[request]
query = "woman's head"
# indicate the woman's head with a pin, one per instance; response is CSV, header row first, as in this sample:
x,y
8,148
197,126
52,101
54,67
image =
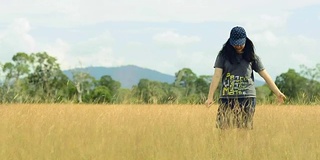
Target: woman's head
x,y
238,43
237,36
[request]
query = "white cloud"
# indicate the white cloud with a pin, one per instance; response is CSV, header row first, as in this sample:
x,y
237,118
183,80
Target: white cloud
x,y
20,26
104,57
184,10
60,50
135,44
304,50
197,61
170,38
75,12
300,58
193,60
95,51
16,38
279,53
267,38
267,22
98,50
93,45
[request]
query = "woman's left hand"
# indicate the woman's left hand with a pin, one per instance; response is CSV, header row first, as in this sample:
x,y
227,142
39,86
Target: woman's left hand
x,y
281,97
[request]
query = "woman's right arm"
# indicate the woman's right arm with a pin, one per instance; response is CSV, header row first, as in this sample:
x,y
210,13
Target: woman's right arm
x,y
213,86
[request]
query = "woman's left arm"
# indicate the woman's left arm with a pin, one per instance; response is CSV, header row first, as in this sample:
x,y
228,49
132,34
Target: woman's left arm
x,y
265,75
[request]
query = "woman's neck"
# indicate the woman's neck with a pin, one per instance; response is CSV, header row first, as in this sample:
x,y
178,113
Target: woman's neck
x,y
239,52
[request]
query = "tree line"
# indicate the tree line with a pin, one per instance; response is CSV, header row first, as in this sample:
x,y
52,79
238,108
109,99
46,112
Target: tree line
x,y
37,78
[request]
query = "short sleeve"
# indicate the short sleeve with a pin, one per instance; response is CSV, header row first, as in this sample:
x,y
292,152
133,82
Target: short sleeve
x,y
257,65
219,63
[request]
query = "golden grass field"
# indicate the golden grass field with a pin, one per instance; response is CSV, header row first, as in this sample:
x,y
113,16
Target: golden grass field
x,y
154,132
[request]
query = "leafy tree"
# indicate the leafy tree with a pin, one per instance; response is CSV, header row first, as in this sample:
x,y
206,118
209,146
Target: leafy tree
x,y
106,86
185,78
125,96
15,71
22,64
292,84
46,79
144,92
202,89
112,85
264,94
312,86
311,73
101,94
33,78
174,94
8,69
151,92
84,83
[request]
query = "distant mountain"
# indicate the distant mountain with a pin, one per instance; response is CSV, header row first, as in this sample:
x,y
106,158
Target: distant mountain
x,y
130,75
127,75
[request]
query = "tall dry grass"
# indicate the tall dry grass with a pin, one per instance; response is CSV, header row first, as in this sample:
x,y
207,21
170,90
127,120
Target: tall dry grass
x,y
154,132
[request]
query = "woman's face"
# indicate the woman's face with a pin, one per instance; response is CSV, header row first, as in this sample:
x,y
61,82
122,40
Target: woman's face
x,y
239,48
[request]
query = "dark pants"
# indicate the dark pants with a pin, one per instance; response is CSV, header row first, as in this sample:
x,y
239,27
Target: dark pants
x,y
236,113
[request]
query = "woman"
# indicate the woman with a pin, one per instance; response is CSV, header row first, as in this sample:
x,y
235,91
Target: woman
x,y
234,65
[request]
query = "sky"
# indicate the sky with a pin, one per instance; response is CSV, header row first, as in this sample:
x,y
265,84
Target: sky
x,y
162,35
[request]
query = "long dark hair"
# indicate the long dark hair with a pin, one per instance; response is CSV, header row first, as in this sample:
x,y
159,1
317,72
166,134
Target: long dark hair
x,y
229,53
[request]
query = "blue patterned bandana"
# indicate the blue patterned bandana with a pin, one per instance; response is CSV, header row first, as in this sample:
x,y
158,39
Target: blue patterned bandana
x,y
237,36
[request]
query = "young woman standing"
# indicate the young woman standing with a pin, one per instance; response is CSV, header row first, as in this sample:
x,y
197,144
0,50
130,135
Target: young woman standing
x,y
234,66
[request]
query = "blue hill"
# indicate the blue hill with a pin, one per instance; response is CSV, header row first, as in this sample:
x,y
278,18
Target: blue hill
x,y
127,75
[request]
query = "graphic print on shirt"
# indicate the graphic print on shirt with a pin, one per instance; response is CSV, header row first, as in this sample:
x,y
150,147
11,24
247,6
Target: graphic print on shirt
x,y
234,85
